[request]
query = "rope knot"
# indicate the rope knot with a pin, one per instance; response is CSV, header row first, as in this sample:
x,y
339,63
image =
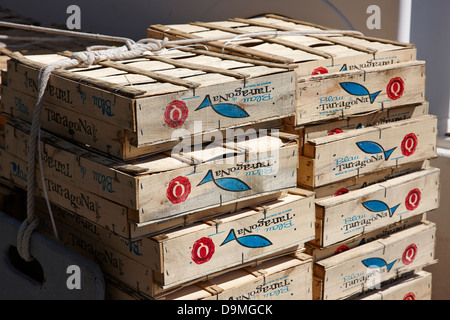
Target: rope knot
x,y
23,237
131,49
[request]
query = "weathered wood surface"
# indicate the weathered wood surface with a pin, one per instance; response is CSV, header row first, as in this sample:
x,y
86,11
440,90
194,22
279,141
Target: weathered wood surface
x,y
182,255
285,278
418,286
377,206
337,157
321,63
319,253
164,186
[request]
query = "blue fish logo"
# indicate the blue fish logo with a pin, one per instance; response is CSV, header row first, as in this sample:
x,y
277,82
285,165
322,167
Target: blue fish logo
x,y
378,263
379,206
224,109
374,148
358,90
249,241
228,184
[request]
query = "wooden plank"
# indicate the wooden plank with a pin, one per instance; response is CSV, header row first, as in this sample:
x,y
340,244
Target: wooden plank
x,y
259,99
415,287
337,157
364,210
269,167
90,132
363,120
325,97
165,112
269,39
233,239
219,45
364,267
206,68
286,278
137,232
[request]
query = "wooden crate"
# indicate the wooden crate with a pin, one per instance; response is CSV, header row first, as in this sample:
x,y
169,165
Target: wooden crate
x,y
99,135
337,157
195,251
132,273
368,179
228,241
364,210
283,278
207,176
356,121
415,287
153,101
364,267
327,66
319,253
130,232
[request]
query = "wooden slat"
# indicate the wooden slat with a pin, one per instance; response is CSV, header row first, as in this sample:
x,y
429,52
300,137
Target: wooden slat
x,y
408,45
275,16
220,45
287,43
194,66
236,58
111,87
323,38
151,74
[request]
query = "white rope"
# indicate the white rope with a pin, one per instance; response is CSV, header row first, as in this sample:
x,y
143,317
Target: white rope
x,y
92,56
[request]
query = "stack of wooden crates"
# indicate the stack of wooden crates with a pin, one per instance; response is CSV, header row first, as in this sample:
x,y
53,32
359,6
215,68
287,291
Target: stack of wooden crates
x,y
169,170
365,140
237,170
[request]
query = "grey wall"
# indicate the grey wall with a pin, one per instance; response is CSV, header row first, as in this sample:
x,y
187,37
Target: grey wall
x,y
130,18
430,32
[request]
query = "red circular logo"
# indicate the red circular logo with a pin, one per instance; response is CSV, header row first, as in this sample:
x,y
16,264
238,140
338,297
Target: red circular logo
x,y
409,144
412,200
320,70
178,189
335,131
395,88
410,254
409,296
341,191
176,113
202,250
341,249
